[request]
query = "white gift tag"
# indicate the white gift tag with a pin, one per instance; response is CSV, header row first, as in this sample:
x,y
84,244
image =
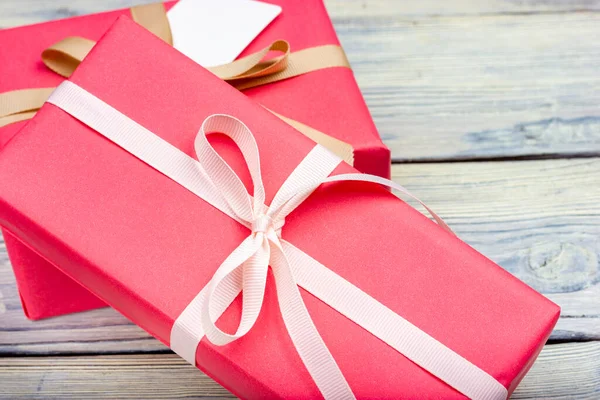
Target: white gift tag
x,y
214,32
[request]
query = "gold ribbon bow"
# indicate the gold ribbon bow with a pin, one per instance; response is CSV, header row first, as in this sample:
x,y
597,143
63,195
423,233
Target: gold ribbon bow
x,y
247,72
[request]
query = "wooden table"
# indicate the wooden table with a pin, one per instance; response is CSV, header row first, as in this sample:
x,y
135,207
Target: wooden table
x,y
492,112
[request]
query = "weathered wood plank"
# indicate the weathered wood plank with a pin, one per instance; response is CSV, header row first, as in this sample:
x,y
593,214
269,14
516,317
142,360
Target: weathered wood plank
x,y
562,371
22,12
480,87
568,371
436,8
101,377
538,219
455,80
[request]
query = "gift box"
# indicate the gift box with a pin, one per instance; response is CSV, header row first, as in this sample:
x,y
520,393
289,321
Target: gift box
x,y
316,99
150,246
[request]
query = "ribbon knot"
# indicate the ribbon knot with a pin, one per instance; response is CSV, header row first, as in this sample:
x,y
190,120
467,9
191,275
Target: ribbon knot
x,y
261,224
265,224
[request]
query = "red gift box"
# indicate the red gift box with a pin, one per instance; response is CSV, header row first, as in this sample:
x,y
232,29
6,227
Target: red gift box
x,y
316,99
147,246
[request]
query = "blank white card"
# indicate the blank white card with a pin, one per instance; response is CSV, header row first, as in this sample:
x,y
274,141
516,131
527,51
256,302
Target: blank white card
x,y
214,32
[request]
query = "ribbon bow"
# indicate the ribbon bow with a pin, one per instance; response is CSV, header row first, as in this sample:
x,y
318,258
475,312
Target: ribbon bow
x,y
263,247
245,269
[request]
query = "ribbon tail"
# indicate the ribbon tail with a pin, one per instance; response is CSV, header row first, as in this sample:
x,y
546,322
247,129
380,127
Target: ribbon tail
x,y
308,343
12,119
187,332
391,184
252,254
153,17
190,327
343,150
20,105
397,332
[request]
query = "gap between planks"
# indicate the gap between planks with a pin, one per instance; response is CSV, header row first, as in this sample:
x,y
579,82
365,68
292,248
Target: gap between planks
x,y
13,12
562,371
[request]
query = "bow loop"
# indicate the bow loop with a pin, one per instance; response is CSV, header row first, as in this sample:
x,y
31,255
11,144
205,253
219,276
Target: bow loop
x,y
246,269
230,185
303,180
254,65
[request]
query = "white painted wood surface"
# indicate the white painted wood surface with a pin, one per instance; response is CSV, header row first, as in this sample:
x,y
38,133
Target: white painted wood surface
x,y
461,79
445,81
166,376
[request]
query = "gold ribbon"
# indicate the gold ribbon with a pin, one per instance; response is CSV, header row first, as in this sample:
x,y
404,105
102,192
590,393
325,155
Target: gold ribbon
x,y
154,18
19,105
247,72
66,55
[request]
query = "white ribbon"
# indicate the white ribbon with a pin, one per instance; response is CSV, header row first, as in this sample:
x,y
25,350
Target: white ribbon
x,y
245,269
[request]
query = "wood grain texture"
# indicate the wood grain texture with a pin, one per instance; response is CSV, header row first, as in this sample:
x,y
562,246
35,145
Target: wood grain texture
x,y
562,371
445,81
538,219
454,80
498,86
23,12
436,8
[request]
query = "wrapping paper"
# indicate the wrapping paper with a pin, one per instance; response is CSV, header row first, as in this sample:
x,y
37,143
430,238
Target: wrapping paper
x,y
318,99
147,246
